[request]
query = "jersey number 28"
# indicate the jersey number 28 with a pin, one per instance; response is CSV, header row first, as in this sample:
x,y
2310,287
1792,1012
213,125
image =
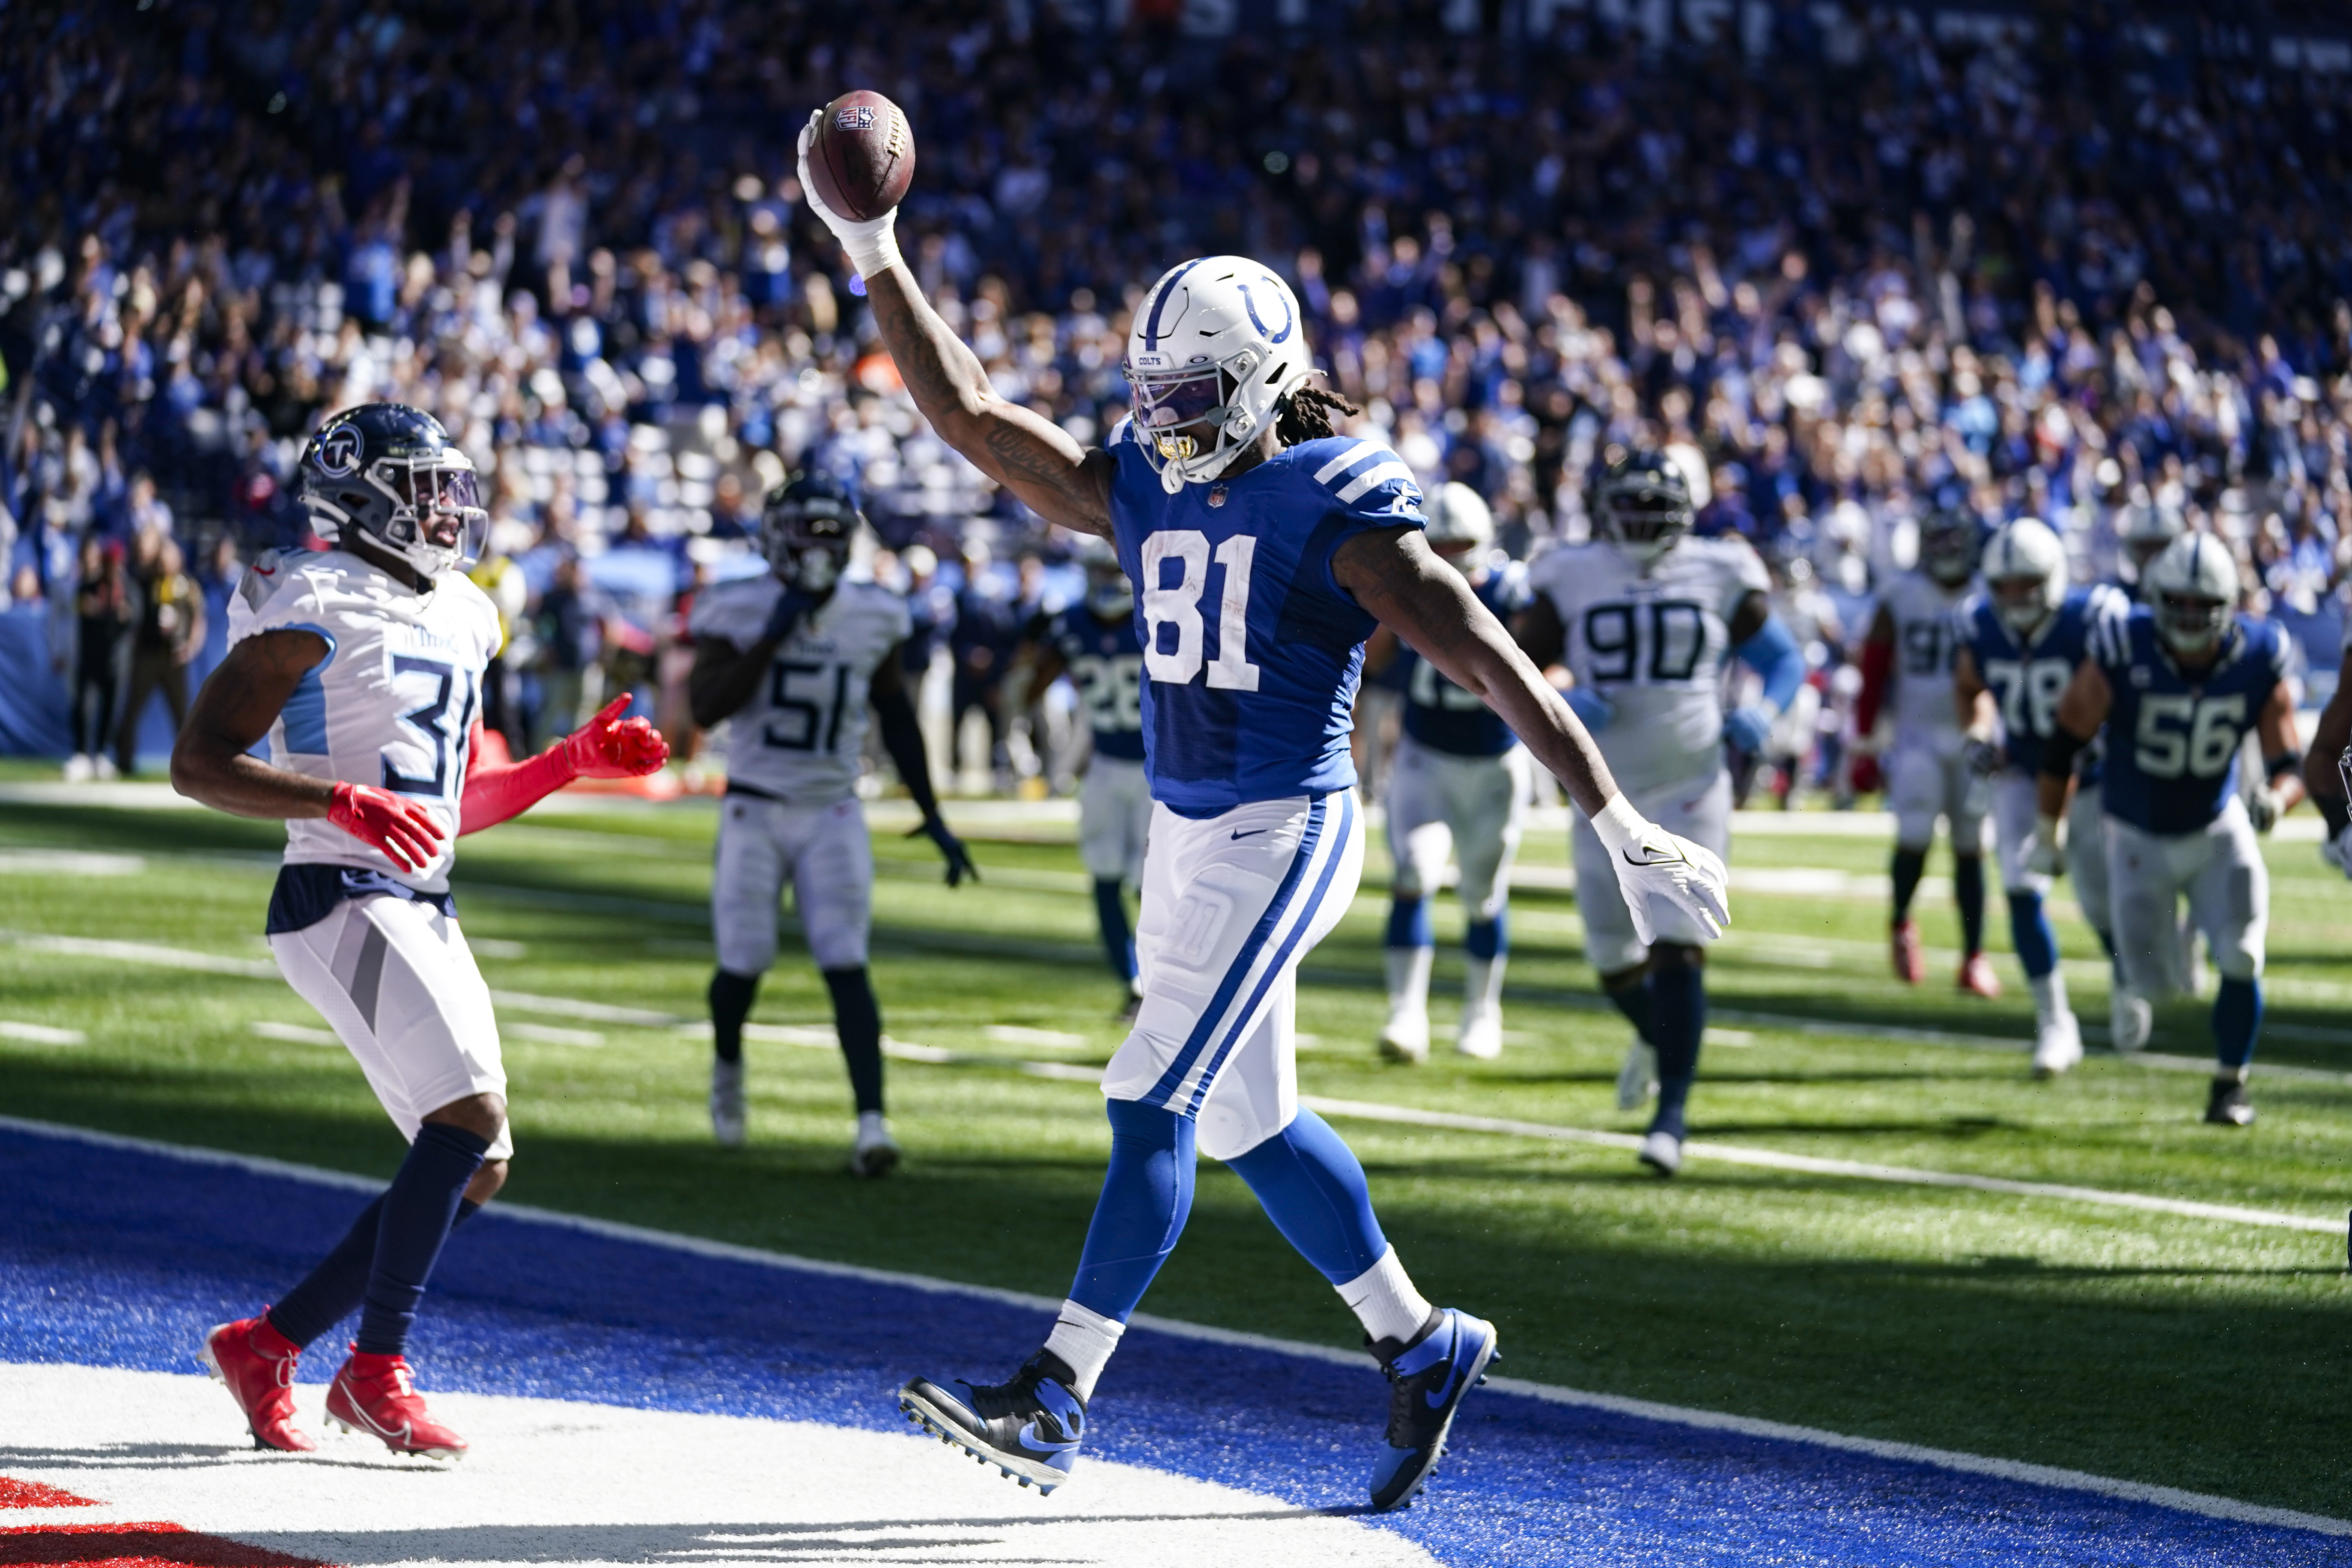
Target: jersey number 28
x,y
1173,610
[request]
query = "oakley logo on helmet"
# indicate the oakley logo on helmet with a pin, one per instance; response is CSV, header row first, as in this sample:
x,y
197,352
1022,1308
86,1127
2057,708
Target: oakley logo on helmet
x,y
339,452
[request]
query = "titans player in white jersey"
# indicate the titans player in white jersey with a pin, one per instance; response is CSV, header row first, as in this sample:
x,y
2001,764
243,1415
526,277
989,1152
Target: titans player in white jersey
x,y
1095,644
1265,550
1913,642
2024,639
2179,686
1460,786
793,656
363,666
1645,618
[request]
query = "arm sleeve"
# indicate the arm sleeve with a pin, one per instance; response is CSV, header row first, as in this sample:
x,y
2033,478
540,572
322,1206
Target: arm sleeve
x,y
902,738
1878,664
495,794
1773,654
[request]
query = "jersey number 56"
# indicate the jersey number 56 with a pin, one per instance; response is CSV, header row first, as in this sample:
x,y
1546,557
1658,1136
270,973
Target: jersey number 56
x,y
1171,611
2186,734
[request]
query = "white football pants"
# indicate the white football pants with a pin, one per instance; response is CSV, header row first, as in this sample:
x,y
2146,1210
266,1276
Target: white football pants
x,y
1114,819
1441,805
2220,870
826,854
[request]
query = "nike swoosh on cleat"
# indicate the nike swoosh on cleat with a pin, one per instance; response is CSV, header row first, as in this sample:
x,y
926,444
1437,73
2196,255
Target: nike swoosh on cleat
x,y
1251,832
1029,1439
1436,1397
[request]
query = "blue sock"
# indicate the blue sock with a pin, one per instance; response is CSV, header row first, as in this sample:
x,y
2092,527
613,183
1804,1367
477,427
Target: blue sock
x,y
1910,865
1312,1186
1969,892
1488,939
2030,933
1678,1016
418,1209
1147,1194
334,1289
1409,923
2237,1019
1633,1000
1110,914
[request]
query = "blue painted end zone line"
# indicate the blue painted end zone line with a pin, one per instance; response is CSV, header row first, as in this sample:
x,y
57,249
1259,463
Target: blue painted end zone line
x,y
120,1253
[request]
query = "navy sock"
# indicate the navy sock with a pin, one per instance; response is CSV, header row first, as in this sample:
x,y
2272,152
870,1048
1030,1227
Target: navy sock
x,y
1147,1196
1634,999
1488,939
858,1019
731,995
1312,1186
2237,1019
1969,892
333,1291
2030,932
419,1207
1910,865
1409,923
1678,1013
1110,914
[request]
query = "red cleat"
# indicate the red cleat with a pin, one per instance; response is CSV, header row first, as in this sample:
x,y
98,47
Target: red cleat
x,y
256,1364
373,1394
1977,977
1910,959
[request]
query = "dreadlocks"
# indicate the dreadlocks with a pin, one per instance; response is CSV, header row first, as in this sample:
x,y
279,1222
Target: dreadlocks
x,y
1307,416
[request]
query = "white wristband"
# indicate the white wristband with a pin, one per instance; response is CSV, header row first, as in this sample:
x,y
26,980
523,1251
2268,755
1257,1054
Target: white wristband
x,y
877,252
1617,823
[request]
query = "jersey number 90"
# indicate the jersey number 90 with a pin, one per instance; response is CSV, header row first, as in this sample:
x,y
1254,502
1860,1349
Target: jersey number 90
x,y
1171,611
1657,643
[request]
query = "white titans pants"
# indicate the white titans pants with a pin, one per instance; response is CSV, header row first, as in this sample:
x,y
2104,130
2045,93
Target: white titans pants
x,y
1231,905
2086,856
1927,776
1699,810
1470,806
394,979
2016,813
826,855
2219,868
1114,819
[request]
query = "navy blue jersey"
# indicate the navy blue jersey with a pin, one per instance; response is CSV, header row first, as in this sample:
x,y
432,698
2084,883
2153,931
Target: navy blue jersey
x,y
1105,660
2028,681
2173,738
1251,650
1440,714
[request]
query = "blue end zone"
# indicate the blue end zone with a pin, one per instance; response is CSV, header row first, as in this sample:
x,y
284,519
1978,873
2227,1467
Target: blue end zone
x,y
122,1257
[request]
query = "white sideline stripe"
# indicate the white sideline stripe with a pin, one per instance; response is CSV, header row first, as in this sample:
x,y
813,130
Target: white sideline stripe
x,y
70,863
1377,474
40,1034
908,1050
2047,1476
549,1035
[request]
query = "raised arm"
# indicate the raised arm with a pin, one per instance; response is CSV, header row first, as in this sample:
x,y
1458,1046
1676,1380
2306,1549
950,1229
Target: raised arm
x,y
1030,456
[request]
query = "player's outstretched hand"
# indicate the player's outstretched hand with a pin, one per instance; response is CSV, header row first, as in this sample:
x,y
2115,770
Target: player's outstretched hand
x,y
1746,729
959,858
871,245
1982,757
1659,872
610,747
2262,809
2045,852
399,828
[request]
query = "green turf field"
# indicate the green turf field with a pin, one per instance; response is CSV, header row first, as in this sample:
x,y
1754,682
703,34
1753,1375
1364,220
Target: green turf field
x,y
2188,1352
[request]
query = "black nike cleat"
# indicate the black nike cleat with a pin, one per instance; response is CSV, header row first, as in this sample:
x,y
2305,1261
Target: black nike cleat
x,y
1426,1382
2228,1106
1029,1428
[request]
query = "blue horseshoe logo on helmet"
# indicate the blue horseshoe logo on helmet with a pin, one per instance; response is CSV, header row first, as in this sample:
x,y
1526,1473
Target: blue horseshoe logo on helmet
x,y
1250,304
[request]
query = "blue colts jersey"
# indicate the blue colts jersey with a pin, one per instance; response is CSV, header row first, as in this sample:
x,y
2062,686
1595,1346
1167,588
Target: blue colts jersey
x,y
1105,660
1251,650
2173,738
1440,714
2028,681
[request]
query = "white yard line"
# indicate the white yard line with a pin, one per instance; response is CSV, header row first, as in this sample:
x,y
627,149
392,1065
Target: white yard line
x,y
1682,1415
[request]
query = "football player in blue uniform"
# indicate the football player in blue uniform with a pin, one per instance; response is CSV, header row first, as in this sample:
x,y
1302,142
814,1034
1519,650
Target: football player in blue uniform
x,y
1461,787
2178,685
1265,549
1095,643
2021,645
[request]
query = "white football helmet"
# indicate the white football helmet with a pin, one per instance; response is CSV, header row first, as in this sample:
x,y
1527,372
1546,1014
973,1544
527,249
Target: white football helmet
x,y
1109,596
2024,569
2146,529
2193,588
1216,345
1461,528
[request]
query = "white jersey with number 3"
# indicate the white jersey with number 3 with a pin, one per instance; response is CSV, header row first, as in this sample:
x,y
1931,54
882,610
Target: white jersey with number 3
x,y
802,737
1653,644
391,705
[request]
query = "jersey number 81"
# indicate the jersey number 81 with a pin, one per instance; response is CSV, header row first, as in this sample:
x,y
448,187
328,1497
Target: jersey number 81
x,y
1176,608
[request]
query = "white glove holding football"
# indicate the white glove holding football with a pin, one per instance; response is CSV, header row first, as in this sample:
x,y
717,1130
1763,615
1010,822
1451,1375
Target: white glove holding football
x,y
2045,852
872,245
1660,873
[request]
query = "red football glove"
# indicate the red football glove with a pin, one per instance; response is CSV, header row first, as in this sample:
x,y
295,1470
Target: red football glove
x,y
401,829
610,747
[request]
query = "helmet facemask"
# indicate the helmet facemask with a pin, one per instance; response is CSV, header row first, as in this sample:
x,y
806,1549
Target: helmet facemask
x,y
1643,519
2022,603
2191,623
807,542
1109,596
437,521
1188,419
1948,553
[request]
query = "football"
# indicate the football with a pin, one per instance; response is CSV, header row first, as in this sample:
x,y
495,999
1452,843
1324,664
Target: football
x,y
863,156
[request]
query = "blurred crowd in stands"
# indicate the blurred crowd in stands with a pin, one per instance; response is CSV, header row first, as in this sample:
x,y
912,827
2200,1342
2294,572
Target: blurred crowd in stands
x,y
1849,262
